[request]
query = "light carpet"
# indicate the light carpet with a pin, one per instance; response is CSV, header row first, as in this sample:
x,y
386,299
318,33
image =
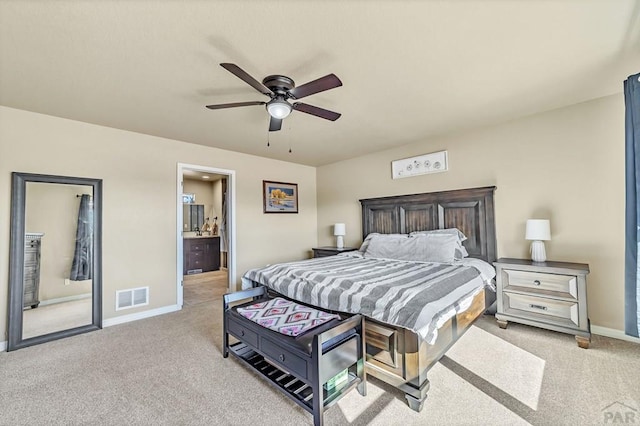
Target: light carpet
x,y
169,370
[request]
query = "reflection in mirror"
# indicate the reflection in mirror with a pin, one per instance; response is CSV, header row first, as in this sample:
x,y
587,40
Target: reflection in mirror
x,y
55,275
193,215
58,265
198,218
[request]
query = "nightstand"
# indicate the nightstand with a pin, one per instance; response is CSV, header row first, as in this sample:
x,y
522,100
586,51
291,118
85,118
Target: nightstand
x,y
551,295
330,251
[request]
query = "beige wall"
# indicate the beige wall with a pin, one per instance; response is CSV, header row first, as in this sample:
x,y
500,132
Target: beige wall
x,y
139,186
566,165
52,209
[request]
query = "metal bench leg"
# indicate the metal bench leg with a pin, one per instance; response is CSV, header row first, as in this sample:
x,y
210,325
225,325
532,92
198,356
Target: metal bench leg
x,y
318,404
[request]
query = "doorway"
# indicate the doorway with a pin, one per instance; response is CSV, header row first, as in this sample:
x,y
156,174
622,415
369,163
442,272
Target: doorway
x,y
205,233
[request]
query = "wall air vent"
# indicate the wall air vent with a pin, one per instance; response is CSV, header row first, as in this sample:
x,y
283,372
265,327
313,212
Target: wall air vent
x,y
132,298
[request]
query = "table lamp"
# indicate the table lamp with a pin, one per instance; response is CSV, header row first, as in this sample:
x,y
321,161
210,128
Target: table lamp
x,y
538,231
339,230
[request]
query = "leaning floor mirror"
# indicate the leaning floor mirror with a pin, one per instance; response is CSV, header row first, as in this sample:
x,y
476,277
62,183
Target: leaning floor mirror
x,y
55,276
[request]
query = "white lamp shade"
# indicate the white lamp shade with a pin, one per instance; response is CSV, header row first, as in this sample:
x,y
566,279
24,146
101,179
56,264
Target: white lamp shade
x,y
538,230
339,229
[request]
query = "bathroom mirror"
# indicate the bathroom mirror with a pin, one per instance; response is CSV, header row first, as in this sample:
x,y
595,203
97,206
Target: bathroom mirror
x,y
55,276
193,215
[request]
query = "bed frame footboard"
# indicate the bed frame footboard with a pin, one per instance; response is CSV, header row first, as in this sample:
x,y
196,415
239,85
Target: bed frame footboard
x,y
402,359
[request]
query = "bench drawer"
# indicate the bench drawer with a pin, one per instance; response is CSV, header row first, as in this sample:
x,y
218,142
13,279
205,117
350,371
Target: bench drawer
x,y
242,333
289,361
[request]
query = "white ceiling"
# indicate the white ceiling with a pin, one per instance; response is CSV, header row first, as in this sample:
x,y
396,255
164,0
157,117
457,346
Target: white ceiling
x,y
189,174
411,69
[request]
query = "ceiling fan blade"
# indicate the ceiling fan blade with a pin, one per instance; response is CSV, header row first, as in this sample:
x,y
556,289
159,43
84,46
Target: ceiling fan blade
x,y
318,112
275,124
242,75
235,104
320,85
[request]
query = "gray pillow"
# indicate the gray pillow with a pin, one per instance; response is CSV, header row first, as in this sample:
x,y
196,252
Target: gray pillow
x,y
452,231
422,248
367,240
461,251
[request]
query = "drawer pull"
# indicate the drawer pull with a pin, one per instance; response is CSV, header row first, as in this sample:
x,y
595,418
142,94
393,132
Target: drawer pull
x,y
242,333
536,282
544,308
281,357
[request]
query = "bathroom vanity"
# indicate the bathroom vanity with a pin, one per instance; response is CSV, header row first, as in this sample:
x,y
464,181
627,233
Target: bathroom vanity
x,y
201,254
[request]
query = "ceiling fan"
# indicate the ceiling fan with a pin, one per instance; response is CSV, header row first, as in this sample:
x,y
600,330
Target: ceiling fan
x,y
280,89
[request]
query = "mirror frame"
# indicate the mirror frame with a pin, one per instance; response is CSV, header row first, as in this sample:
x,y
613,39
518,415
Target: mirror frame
x,y
16,255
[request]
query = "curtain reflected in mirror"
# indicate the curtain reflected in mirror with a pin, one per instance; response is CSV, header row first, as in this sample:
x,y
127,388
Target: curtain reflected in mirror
x,y
58,257
55,276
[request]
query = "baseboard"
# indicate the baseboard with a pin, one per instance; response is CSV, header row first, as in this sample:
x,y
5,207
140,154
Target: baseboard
x,y
3,346
65,299
140,315
614,334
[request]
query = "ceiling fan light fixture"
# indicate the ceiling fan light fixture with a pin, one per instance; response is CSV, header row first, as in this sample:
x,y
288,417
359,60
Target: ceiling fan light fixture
x,y
279,108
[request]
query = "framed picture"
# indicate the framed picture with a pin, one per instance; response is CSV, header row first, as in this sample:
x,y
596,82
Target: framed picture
x,y
279,197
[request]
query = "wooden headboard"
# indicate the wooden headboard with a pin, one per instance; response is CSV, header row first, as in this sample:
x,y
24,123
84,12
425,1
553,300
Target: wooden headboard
x,y
469,210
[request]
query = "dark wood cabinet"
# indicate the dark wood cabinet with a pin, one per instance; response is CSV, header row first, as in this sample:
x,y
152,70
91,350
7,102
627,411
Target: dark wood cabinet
x,y
201,254
31,288
330,251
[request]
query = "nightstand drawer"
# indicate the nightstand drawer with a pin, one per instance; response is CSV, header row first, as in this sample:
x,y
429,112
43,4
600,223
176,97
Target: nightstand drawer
x,y
517,304
566,284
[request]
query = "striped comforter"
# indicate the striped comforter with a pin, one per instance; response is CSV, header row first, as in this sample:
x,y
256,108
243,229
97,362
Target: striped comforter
x,y
413,295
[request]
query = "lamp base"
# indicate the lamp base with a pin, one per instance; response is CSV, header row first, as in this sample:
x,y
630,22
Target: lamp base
x,y
339,241
538,253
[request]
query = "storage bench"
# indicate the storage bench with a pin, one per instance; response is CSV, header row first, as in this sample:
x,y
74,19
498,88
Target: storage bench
x,y
298,366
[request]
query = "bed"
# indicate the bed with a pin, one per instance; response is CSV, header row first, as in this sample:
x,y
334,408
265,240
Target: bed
x,y
399,352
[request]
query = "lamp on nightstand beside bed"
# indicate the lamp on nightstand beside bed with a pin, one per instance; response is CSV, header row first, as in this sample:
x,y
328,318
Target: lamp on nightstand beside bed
x,y
339,230
538,231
